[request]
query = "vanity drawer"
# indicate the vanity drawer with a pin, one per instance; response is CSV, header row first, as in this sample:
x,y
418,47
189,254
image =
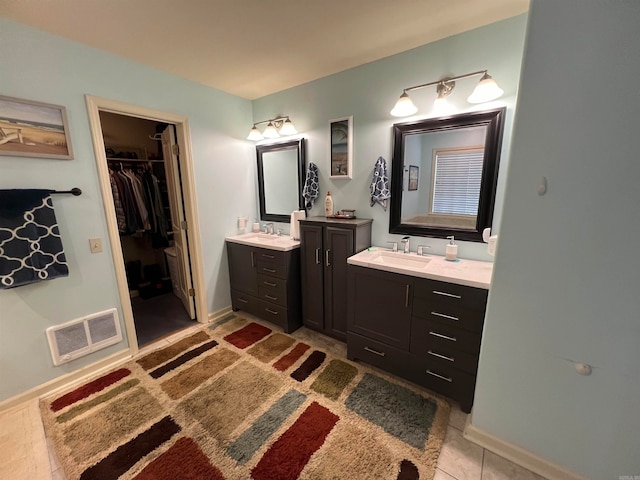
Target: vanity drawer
x,y
444,379
276,314
274,269
435,309
445,295
444,356
247,303
378,354
272,289
430,333
273,256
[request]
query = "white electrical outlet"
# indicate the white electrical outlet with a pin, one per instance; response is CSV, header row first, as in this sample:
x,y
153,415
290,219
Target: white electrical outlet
x,y
95,244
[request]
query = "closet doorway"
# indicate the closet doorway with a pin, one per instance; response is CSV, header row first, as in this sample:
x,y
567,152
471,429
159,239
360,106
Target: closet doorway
x,y
147,185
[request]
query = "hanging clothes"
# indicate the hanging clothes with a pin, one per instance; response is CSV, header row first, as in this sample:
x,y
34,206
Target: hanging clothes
x,y
139,206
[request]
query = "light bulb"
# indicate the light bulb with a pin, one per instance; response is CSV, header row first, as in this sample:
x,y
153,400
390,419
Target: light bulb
x,y
404,106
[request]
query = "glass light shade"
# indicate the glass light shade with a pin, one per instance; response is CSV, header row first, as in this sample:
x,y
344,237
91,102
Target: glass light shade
x,y
270,131
441,106
404,106
288,128
255,134
486,90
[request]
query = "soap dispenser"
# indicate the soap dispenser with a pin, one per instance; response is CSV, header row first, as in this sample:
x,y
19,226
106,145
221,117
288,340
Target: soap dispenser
x,y
452,250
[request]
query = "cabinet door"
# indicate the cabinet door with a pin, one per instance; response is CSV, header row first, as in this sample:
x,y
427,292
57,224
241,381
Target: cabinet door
x,y
311,272
338,247
242,268
381,306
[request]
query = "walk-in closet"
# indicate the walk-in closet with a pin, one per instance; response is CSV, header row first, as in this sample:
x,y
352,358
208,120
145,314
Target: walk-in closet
x,y
140,183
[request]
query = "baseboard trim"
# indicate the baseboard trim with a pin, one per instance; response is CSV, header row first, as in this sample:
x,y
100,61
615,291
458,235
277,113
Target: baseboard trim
x,y
69,380
517,455
213,316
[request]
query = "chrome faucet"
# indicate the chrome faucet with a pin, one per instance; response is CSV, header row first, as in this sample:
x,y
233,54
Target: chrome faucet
x,y
405,240
421,249
394,246
270,228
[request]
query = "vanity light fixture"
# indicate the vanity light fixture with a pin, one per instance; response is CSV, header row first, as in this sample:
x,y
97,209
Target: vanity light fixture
x,y
486,90
275,128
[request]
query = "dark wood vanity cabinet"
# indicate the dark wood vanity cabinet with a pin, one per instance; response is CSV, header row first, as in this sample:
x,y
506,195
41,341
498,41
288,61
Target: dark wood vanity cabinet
x,y
266,283
424,330
325,245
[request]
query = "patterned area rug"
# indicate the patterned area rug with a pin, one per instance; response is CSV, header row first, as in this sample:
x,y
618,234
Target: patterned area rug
x,y
237,400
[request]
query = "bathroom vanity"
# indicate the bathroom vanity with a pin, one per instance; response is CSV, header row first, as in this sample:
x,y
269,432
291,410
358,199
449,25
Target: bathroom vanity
x,y
264,271
420,318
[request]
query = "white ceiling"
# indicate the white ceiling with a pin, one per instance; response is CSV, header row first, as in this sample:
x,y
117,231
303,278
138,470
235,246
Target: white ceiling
x,y
252,48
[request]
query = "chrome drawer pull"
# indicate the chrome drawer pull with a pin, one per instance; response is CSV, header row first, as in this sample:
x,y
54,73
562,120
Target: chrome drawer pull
x,y
271,311
446,294
448,317
451,339
326,258
243,300
406,297
270,297
439,355
270,270
381,354
317,256
441,377
267,256
253,260
270,284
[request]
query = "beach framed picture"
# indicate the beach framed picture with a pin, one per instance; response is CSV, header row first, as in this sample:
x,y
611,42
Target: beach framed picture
x,y
34,129
341,147
413,177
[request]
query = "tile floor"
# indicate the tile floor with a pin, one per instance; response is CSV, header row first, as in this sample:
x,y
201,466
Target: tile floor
x,y
29,456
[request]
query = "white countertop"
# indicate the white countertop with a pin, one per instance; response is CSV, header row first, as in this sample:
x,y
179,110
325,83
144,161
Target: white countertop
x,y
272,242
473,273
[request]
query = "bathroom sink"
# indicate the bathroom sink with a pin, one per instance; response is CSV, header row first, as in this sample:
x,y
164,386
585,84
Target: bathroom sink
x,y
264,240
398,259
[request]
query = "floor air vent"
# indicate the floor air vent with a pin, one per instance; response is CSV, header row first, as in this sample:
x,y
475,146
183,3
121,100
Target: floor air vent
x,y
84,335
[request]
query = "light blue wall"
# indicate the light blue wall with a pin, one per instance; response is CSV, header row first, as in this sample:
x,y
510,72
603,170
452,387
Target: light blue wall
x,y
370,91
43,67
566,278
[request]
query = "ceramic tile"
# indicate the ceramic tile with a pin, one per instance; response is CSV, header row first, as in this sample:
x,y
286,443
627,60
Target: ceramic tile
x,y
23,443
457,418
441,475
58,475
495,467
459,457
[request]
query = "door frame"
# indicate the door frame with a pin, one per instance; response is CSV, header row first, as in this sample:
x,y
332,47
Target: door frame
x,y
185,161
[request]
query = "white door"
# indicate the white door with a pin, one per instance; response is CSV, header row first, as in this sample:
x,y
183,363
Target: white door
x,y
178,223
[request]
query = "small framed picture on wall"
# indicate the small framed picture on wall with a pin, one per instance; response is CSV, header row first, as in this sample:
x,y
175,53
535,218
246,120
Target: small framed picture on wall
x,y
413,177
341,147
33,129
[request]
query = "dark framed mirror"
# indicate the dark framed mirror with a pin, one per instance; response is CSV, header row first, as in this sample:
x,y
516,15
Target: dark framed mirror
x,y
280,179
444,175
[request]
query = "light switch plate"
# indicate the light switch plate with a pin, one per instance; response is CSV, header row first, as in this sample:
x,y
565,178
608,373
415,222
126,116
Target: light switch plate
x,y
95,244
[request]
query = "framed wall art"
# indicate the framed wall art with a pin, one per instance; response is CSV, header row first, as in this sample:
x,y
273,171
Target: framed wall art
x,y
341,147
413,177
34,129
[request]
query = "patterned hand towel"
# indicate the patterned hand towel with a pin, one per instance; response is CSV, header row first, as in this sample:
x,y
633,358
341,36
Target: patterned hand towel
x,y
30,244
311,186
380,184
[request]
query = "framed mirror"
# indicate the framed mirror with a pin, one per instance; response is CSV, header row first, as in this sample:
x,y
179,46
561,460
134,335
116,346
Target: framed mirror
x,y
444,174
280,179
